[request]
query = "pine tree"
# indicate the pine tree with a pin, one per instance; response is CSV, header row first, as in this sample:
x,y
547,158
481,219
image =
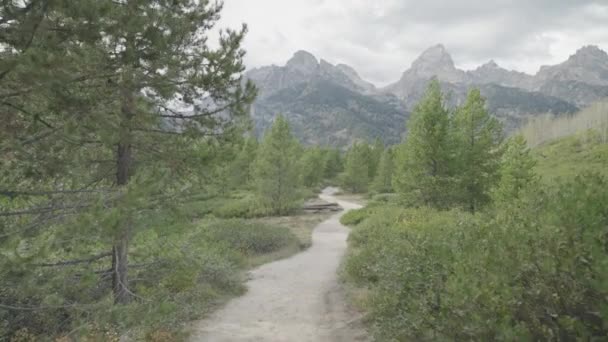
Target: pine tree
x,y
334,163
356,169
423,163
275,170
312,167
516,171
375,155
241,168
477,137
384,177
121,103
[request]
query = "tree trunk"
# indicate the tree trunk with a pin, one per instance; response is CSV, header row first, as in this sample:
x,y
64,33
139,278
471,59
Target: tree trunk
x,y
124,166
120,250
124,161
120,282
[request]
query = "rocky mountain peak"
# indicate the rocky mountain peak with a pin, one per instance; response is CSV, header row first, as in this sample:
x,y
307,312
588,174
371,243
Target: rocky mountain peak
x,y
303,61
490,65
435,57
589,55
591,50
588,65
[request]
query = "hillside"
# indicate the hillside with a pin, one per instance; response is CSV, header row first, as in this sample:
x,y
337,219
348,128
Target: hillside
x,y
571,156
325,113
570,145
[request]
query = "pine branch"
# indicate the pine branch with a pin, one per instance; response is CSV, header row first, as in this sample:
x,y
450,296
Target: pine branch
x,y
76,262
35,116
177,115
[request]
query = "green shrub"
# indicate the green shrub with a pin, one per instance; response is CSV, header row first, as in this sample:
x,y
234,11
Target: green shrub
x,y
532,270
236,208
354,217
250,237
385,198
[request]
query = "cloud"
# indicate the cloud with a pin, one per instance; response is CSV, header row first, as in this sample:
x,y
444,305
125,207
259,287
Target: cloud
x,y
381,38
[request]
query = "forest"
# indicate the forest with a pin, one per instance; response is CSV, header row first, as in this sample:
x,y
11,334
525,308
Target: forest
x,y
135,196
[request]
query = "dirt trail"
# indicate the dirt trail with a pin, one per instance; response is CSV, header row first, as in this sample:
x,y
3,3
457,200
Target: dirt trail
x,y
295,299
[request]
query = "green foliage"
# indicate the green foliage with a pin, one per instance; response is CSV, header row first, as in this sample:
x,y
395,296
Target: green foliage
x,y
376,151
249,238
244,207
312,167
423,163
275,169
534,271
241,168
112,123
448,161
354,217
356,169
477,137
334,163
516,172
383,182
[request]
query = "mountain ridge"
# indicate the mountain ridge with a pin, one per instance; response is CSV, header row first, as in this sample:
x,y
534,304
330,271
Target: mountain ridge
x,y
513,96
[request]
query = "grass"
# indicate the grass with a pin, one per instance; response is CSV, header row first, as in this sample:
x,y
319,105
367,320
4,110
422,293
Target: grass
x,y
570,156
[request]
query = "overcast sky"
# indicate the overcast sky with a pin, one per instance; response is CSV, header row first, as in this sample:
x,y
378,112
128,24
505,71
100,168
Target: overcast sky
x,y
381,38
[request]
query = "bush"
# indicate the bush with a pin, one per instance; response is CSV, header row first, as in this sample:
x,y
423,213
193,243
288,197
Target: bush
x,y
236,208
354,217
250,238
531,270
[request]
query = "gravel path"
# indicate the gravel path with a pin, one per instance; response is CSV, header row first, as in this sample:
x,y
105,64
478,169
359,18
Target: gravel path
x,y
295,299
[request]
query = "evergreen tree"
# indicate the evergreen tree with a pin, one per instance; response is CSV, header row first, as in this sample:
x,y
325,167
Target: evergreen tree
x,y
333,163
356,169
384,177
241,169
516,171
375,155
312,167
423,161
275,171
120,103
477,137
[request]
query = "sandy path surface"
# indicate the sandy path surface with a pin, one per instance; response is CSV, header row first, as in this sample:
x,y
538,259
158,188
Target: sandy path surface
x,y
295,299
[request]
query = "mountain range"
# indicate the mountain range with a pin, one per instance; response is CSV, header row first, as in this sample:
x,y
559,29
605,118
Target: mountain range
x,y
331,104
